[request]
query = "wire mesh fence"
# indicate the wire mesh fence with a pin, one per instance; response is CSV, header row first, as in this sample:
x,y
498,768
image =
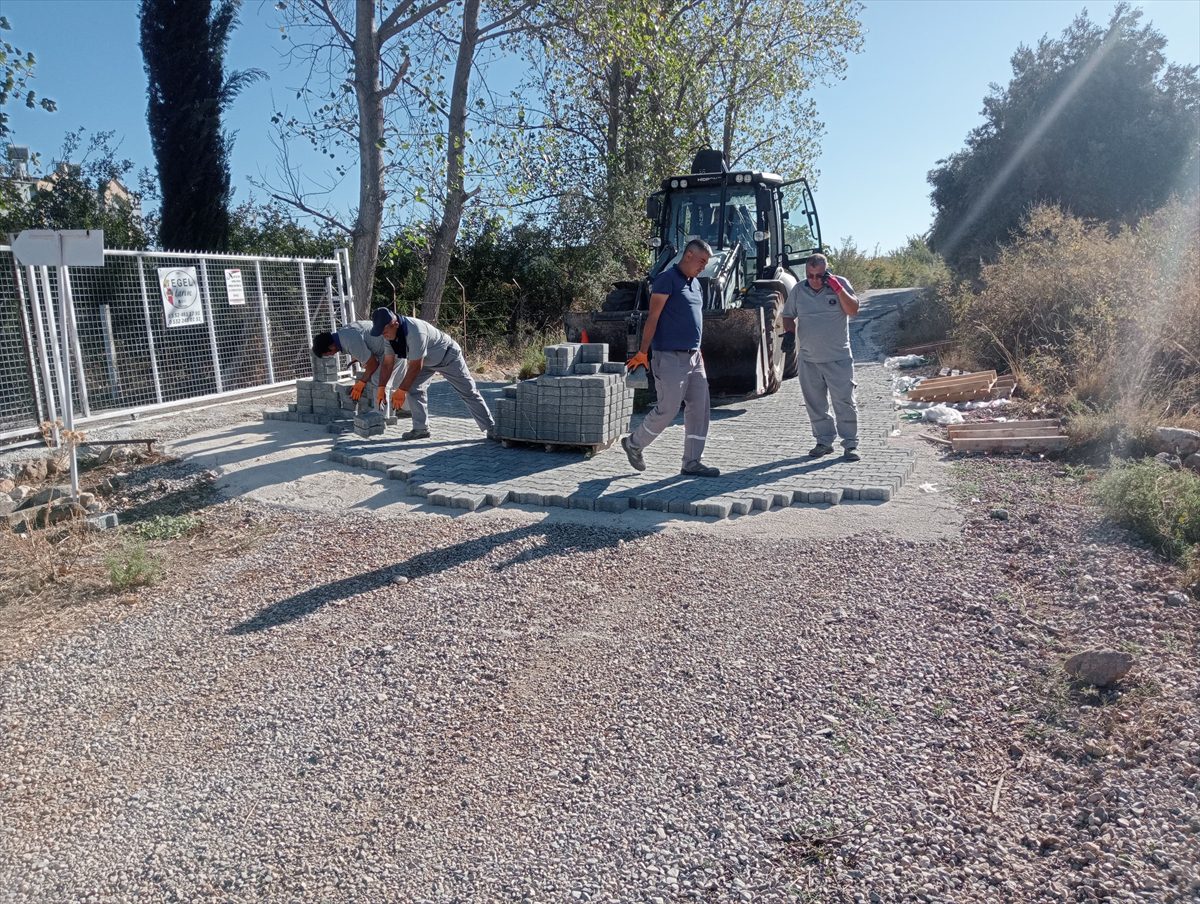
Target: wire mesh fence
x,y
154,328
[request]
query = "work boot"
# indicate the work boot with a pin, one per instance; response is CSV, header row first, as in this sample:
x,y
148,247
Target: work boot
x,y
697,469
634,455
820,449
416,433
852,455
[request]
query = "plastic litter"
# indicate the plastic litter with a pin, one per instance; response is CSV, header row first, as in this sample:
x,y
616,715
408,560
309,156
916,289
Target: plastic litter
x,y
942,415
904,361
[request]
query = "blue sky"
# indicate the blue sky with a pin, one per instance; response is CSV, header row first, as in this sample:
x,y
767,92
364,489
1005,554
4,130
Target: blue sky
x,y
907,101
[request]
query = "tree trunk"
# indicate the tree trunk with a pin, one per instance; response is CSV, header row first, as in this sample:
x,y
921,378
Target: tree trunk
x,y
456,195
365,235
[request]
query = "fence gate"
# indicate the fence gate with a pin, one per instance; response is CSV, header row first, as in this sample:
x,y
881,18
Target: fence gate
x,y
151,329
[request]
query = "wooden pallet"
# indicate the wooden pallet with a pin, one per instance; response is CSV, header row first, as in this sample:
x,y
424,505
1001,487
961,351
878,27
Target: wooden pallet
x,y
962,388
1008,436
589,449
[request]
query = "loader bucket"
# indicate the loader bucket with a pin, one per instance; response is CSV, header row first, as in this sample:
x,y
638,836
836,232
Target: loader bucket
x,y
735,357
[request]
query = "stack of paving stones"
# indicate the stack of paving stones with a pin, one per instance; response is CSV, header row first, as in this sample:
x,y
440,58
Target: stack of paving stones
x,y
322,400
581,400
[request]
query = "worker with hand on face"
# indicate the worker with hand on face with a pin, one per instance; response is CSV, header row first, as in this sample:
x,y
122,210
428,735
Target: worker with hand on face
x,y
673,330
429,352
355,340
818,311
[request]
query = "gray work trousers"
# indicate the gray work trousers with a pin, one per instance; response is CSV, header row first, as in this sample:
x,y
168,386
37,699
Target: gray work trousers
x,y
678,377
820,382
454,368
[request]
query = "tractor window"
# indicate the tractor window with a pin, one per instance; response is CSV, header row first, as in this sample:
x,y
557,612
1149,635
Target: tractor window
x,y
801,230
693,215
740,226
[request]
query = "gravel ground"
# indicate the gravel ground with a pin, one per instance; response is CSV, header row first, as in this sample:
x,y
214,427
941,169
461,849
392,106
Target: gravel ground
x,y
490,710
322,706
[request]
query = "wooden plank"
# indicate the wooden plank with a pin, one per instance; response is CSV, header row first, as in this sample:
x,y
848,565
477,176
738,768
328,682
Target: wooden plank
x,y
974,395
1006,431
995,425
1010,443
936,439
925,347
986,376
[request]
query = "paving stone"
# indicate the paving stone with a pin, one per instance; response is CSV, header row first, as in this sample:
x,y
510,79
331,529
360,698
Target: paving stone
x,y
758,444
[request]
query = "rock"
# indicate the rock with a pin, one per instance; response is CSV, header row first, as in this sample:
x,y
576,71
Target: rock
x,y
7,505
7,486
27,519
1176,598
1169,460
1176,439
46,494
57,464
1000,514
20,494
399,579
1192,462
34,470
1101,668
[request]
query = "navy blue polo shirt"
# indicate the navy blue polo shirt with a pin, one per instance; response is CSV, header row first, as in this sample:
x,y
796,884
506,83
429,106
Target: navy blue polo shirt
x,y
682,319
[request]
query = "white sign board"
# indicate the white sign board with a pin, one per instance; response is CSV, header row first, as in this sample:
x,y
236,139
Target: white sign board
x,y
233,287
180,296
60,248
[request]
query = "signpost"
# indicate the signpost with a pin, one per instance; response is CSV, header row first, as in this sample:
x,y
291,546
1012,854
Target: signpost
x,y
62,248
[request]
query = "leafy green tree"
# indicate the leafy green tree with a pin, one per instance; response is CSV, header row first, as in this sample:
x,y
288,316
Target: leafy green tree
x,y
183,48
271,230
629,89
1095,121
84,190
16,69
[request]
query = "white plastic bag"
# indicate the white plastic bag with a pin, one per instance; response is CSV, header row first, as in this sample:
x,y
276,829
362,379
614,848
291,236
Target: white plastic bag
x,y
904,361
942,415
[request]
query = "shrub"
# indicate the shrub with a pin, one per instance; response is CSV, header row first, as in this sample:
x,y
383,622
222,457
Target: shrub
x,y
1160,504
132,566
167,527
1096,318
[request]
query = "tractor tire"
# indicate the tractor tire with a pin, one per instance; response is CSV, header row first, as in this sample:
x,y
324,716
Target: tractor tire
x,y
621,298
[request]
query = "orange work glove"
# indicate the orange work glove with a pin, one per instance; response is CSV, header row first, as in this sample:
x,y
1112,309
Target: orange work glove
x,y
638,360
380,395
357,391
398,398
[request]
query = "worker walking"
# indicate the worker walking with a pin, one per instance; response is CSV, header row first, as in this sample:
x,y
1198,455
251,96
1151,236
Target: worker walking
x,y
429,352
818,311
673,329
355,340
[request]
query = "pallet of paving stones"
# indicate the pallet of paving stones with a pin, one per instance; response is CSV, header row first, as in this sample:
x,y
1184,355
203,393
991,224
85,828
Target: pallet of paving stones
x,y
1008,436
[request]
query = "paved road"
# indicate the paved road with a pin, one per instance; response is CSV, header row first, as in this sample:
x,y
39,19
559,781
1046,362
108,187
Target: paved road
x,y
759,445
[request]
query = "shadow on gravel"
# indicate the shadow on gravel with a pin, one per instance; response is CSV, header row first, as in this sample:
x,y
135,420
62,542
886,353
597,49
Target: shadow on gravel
x,y
560,540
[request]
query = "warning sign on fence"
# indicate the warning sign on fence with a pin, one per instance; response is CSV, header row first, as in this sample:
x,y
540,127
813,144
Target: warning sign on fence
x,y
234,288
181,296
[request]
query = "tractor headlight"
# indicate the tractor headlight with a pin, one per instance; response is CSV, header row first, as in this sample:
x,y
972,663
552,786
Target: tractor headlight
x,y
760,236
655,242
674,183
683,183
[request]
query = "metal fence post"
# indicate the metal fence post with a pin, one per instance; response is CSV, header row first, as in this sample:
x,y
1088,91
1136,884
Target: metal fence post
x,y
52,335
266,323
65,294
110,354
31,350
212,325
347,314
158,395
304,298
333,319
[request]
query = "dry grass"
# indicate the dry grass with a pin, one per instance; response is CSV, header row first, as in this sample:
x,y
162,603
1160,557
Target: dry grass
x,y
1095,320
